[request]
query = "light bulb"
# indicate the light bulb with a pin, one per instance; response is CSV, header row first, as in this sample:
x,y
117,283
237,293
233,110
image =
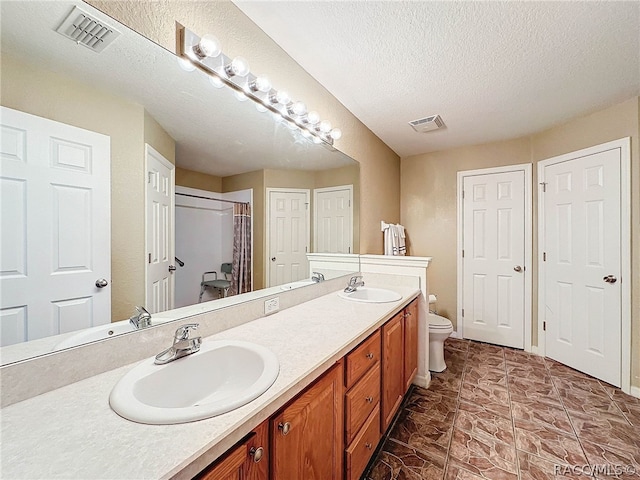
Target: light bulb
x,y
186,65
325,127
261,108
260,84
313,118
216,82
297,108
280,97
238,66
316,140
241,96
336,133
208,46
306,133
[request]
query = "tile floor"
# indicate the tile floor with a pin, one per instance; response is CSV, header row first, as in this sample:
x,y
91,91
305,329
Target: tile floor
x,y
500,413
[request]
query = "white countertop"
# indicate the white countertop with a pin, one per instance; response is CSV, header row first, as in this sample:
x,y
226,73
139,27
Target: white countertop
x,y
73,433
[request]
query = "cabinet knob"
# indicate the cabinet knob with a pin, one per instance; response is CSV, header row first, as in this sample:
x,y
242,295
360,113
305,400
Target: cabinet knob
x,y
368,445
370,356
369,399
408,314
256,453
284,427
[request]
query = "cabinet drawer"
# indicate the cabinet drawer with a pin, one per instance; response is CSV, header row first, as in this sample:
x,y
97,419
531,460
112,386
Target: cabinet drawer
x,y
360,451
361,400
362,358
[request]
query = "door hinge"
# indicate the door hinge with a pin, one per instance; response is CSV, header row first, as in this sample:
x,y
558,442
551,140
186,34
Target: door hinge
x,y
544,326
349,249
463,312
306,249
462,193
462,253
149,258
544,186
306,206
544,256
349,203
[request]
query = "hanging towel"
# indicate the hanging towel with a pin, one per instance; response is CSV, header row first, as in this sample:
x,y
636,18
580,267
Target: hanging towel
x,y
400,240
388,240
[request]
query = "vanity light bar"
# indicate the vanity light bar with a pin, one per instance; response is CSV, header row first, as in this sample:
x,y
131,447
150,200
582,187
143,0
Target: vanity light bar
x,y
205,53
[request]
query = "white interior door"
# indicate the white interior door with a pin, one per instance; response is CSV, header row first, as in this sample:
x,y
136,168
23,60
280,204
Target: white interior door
x,y
333,219
582,264
288,236
55,228
493,288
160,232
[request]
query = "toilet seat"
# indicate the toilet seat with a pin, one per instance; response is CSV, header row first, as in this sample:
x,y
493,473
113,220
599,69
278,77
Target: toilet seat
x,y
436,322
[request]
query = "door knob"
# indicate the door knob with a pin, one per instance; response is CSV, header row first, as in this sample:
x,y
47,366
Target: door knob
x,y
101,283
517,268
610,279
172,268
273,259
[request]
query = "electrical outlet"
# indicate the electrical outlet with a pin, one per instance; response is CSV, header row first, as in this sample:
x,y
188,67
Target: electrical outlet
x,y
271,306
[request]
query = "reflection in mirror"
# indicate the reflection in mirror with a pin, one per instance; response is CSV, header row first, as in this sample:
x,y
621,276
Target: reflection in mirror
x,y
95,147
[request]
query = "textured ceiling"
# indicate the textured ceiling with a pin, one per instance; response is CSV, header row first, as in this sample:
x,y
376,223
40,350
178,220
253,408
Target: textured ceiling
x,y
492,70
214,132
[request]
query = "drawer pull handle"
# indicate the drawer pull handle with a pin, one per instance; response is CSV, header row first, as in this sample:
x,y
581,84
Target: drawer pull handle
x,y
370,356
368,445
284,428
369,399
256,453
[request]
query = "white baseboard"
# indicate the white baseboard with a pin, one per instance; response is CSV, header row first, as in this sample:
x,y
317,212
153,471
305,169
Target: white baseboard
x,y
454,334
634,391
534,349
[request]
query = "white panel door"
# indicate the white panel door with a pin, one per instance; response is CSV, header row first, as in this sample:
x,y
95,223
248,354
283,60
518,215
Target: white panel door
x,y
494,254
160,213
55,228
581,249
333,219
288,235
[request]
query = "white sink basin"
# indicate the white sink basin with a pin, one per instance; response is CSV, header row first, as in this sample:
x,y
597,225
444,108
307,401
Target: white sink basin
x,y
298,284
371,295
95,333
221,377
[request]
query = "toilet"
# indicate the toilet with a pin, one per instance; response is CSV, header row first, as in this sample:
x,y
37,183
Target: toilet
x,y
439,330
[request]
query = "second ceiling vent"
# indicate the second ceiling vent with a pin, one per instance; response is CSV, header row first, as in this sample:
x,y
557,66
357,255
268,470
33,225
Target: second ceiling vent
x,y
434,122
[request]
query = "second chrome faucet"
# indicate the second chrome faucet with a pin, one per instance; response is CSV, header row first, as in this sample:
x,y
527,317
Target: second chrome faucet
x,y
182,346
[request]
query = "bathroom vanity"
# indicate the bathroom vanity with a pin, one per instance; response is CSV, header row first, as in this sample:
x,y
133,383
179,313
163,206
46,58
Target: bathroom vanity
x,y
334,356
343,407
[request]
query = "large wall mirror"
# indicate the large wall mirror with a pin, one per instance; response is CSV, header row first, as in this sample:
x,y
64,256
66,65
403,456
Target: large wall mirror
x,y
92,142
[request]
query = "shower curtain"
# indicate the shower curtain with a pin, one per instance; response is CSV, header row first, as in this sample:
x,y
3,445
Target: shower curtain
x,y
241,268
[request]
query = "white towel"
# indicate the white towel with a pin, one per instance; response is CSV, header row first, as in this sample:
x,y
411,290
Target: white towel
x,y
388,240
400,236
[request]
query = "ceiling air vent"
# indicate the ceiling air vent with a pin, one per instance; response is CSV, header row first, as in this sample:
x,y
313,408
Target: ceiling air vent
x,y
434,122
85,30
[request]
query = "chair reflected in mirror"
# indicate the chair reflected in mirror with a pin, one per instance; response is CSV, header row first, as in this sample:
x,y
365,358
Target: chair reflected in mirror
x,y
220,285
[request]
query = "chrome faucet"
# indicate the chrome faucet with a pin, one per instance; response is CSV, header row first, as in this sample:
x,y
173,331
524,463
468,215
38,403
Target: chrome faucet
x,y
354,282
317,277
182,345
142,319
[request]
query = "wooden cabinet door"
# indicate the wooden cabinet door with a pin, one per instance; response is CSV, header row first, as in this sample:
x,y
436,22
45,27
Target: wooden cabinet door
x,y
392,368
410,343
307,436
258,449
231,467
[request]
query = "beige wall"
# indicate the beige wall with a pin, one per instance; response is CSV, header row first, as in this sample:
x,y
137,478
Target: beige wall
x,y
379,165
158,138
199,180
56,97
428,202
255,181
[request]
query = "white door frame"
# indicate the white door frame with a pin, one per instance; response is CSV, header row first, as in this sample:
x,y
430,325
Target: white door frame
x,y
528,237
267,218
624,144
315,212
149,150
